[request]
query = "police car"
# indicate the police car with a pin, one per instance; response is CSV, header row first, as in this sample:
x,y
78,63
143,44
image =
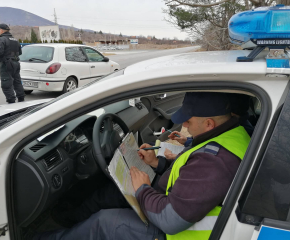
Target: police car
x,y
46,151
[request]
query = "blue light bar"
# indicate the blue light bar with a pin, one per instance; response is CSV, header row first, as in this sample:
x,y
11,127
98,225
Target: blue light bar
x,y
264,26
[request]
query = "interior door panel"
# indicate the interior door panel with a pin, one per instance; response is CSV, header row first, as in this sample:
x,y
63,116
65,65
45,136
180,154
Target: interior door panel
x,y
160,107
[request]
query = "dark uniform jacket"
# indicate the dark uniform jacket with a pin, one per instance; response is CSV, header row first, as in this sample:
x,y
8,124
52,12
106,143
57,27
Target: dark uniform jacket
x,y
202,185
9,47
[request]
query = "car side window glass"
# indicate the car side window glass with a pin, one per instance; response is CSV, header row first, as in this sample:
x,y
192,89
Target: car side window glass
x,y
75,54
93,55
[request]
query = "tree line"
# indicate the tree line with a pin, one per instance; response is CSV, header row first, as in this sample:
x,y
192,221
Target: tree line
x,y
34,39
51,41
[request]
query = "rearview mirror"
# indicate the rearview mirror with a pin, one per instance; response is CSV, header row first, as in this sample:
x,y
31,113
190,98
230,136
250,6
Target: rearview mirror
x,y
106,59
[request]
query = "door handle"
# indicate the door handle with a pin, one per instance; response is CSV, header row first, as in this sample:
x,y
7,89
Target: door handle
x,y
92,66
166,114
160,96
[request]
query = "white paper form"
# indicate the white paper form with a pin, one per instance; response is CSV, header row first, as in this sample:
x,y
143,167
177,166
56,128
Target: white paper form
x,y
129,149
173,148
121,173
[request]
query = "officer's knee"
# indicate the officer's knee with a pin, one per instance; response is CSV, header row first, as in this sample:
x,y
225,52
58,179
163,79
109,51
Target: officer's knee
x,y
104,216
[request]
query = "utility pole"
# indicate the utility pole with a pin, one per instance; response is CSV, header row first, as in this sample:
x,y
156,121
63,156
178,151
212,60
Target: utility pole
x,y
55,17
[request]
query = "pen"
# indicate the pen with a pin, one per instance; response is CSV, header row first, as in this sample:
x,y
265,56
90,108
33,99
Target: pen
x,y
150,148
174,133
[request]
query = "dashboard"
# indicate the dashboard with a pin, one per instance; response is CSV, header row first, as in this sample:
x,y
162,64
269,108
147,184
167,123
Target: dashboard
x,y
50,165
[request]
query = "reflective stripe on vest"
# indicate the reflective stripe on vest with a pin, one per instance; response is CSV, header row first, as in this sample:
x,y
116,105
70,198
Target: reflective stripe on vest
x,y
236,141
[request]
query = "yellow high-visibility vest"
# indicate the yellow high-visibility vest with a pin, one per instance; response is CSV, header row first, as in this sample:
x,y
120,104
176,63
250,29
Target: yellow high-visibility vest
x,y
236,141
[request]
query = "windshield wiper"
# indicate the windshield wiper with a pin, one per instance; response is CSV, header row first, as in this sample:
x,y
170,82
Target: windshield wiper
x,y
36,59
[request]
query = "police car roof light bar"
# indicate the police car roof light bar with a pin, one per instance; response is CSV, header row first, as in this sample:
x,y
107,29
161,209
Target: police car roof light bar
x,y
256,51
262,27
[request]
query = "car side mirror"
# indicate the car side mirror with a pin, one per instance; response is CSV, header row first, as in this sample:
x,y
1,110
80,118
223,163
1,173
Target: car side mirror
x,y
106,59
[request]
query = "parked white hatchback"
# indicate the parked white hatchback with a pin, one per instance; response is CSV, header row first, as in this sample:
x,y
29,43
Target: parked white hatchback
x,y
62,67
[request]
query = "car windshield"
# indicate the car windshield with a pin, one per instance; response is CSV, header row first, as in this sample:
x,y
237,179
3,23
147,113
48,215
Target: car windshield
x,y
7,120
39,54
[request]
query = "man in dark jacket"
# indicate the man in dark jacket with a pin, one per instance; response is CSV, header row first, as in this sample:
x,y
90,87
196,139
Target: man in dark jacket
x,y
10,49
178,204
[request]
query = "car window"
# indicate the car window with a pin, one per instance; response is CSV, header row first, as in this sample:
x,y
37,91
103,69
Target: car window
x,y
75,54
93,55
37,54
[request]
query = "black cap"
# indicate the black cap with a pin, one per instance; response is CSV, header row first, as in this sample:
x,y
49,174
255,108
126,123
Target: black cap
x,y
202,104
4,26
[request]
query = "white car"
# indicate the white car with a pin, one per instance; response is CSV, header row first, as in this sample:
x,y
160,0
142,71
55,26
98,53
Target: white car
x,y
61,148
62,67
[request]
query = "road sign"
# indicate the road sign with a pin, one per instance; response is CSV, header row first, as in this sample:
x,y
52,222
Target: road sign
x,y
134,41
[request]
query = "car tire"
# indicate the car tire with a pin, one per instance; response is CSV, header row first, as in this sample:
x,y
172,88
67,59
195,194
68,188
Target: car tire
x,y
27,92
69,85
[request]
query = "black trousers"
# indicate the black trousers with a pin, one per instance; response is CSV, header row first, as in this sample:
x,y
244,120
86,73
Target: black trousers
x,y
11,82
106,216
106,197
108,224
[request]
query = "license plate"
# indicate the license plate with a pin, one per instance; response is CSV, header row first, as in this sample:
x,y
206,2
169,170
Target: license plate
x,y
30,84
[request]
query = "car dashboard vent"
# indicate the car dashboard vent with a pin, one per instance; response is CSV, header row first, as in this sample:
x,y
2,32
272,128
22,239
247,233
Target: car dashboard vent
x,y
37,147
52,159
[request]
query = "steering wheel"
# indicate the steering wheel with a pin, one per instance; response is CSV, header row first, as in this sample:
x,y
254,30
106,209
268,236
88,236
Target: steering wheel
x,y
106,139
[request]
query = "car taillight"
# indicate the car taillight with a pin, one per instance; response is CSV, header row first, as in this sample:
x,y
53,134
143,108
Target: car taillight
x,y
53,68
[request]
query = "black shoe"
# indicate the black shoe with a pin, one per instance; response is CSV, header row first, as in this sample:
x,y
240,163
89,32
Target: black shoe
x,y
10,101
21,99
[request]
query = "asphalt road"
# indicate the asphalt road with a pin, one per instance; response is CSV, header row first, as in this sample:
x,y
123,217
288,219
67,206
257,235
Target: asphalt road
x,y
124,59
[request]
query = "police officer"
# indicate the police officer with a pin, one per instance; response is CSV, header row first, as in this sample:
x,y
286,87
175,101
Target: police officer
x,y
10,49
186,203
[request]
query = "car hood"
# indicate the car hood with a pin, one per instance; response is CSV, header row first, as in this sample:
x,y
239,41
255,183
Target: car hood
x,y
9,108
189,60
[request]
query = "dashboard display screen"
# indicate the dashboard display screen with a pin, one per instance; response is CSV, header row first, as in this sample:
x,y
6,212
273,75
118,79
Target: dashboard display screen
x,y
75,140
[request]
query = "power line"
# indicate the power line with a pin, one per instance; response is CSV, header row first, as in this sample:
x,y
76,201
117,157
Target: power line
x,y
55,17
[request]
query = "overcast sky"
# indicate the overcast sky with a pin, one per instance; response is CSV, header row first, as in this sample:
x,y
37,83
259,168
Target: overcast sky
x,y
130,17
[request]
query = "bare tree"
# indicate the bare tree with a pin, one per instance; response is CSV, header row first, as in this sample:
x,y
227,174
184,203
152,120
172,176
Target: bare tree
x,y
208,19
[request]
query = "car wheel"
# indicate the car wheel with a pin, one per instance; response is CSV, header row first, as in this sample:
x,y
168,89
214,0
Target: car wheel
x,y
69,85
27,92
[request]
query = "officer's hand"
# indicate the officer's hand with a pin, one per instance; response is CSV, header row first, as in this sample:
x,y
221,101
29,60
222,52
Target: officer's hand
x,y
169,155
139,178
182,139
148,156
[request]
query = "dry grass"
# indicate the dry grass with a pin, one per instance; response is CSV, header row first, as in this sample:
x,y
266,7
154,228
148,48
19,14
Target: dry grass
x,y
199,50
157,46
183,132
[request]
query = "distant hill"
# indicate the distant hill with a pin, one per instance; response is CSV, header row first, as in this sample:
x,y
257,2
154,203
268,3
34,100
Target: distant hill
x,y
18,17
14,16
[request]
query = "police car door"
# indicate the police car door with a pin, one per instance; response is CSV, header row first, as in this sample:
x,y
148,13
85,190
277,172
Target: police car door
x,y
262,212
